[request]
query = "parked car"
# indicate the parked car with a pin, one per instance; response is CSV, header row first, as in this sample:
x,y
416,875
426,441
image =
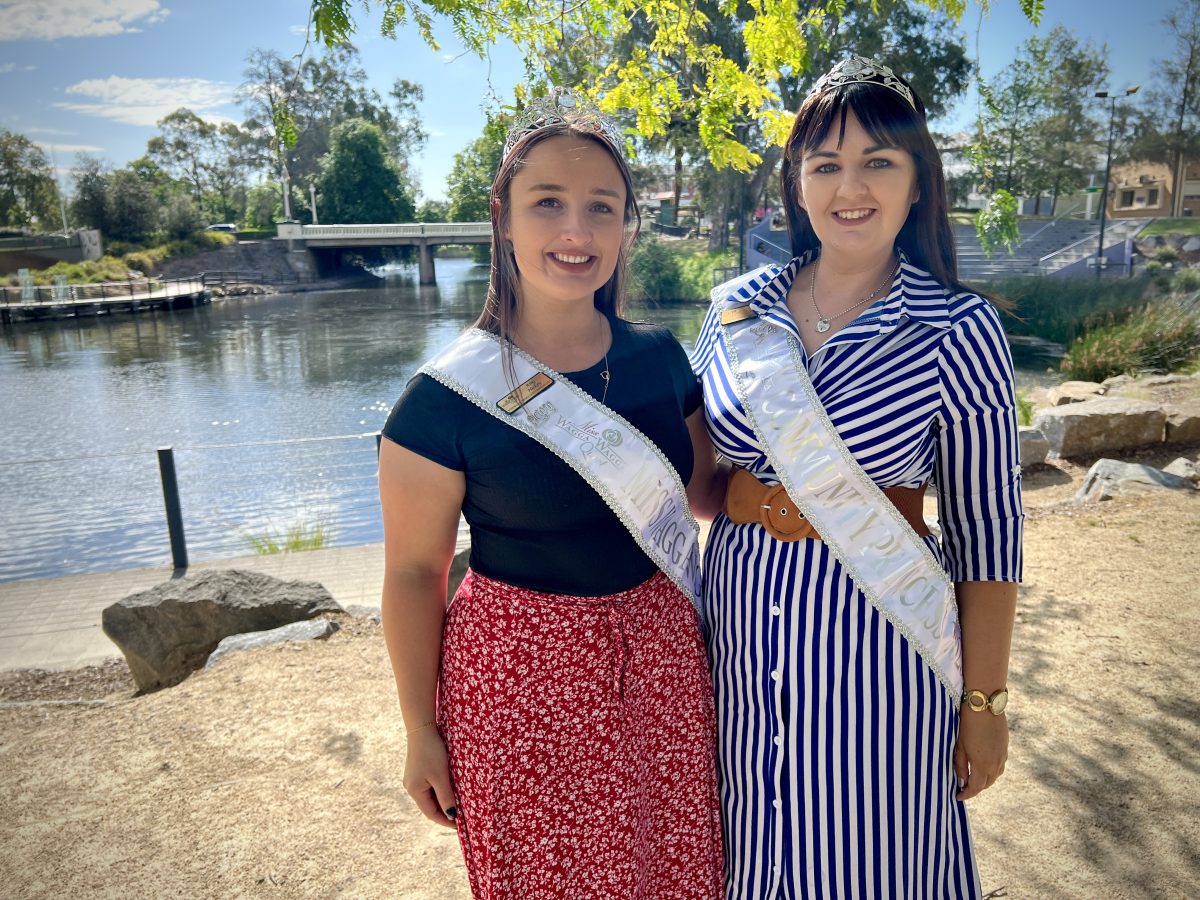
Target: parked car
x,y
223,226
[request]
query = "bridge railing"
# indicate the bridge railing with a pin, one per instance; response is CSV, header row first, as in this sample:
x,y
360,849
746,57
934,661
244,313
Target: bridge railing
x,y
411,230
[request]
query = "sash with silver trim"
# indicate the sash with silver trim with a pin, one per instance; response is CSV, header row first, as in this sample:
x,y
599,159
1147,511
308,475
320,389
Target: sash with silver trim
x,y
882,553
621,464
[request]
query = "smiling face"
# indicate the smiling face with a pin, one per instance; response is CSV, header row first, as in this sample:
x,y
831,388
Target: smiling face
x,y
857,192
565,218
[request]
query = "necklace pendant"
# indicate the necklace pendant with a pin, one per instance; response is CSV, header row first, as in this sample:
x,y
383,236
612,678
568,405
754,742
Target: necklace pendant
x,y
822,325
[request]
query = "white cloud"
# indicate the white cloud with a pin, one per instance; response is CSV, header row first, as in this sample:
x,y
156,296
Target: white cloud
x,y
298,30
48,131
7,67
49,20
56,149
143,101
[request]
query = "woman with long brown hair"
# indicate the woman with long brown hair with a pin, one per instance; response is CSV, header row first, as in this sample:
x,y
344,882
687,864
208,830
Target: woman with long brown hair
x,y
559,712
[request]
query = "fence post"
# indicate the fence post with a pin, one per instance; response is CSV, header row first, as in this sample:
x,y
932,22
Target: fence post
x,y
166,469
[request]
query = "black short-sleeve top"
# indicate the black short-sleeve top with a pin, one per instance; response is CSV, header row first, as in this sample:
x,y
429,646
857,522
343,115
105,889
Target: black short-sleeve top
x,y
534,522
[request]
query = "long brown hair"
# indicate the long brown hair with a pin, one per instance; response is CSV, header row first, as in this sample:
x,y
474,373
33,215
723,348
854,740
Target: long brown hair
x,y
500,309
926,236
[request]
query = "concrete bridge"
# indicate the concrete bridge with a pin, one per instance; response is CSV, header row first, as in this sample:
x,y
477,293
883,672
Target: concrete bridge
x,y
425,236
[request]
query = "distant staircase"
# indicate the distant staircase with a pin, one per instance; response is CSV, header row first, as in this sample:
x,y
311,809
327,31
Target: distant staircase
x,y
1046,247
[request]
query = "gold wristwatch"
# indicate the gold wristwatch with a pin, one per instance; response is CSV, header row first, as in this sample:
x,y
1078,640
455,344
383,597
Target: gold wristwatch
x,y
978,701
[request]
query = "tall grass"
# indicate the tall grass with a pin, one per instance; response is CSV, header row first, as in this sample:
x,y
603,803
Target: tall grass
x,y
123,259
1160,336
295,538
1063,309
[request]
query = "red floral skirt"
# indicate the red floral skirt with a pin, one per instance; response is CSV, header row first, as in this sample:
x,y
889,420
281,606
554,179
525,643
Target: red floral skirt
x,y
581,737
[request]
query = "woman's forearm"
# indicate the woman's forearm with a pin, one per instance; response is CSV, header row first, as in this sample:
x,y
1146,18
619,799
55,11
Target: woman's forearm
x,y
414,613
986,610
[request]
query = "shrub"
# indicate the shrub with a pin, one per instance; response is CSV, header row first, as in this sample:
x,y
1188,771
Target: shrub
x,y
1166,253
1025,409
1063,309
1162,336
1153,266
654,271
1186,281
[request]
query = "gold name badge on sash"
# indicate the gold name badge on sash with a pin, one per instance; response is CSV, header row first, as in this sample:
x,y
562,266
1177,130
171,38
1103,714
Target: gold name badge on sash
x,y
737,314
525,392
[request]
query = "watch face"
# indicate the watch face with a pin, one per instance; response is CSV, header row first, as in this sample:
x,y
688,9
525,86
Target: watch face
x,y
999,700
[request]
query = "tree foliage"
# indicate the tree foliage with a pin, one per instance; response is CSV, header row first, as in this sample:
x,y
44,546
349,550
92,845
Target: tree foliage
x,y
28,191
359,181
1041,130
1167,127
469,184
212,160
681,64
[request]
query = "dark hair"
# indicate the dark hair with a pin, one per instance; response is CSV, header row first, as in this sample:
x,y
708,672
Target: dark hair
x,y
926,236
501,304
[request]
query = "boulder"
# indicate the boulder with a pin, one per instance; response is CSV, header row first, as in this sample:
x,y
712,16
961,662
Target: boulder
x,y
311,630
1191,244
1094,426
1073,392
168,631
1115,381
1034,446
1184,468
1109,477
1183,422
1160,380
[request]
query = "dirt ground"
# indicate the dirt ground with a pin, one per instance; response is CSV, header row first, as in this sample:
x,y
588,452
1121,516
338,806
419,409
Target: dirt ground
x,y
278,772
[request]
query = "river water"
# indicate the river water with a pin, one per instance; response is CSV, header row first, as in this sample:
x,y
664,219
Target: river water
x,y
271,404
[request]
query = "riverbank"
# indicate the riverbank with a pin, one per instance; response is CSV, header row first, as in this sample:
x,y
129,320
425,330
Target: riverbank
x,y
280,769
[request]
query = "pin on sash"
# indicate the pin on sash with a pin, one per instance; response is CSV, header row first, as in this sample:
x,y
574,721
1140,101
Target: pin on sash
x,y
524,392
737,314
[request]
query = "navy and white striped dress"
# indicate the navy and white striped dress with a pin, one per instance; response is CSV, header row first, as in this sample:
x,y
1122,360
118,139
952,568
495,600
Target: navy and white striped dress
x,y
836,739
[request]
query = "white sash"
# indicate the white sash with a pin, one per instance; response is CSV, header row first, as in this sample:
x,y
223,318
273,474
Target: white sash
x,y
888,561
621,464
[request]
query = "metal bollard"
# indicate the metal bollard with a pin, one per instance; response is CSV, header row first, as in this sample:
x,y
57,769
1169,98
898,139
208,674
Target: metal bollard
x,y
166,469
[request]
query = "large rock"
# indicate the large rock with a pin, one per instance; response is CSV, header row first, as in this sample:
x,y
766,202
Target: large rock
x,y
1073,392
1109,477
1094,426
1184,468
1183,422
311,630
1034,446
168,631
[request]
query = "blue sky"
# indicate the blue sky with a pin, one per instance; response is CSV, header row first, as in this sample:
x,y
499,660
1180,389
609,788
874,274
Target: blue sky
x,y
95,75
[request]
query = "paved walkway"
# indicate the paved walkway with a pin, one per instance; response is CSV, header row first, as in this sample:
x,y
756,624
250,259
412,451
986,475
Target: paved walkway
x,y
54,623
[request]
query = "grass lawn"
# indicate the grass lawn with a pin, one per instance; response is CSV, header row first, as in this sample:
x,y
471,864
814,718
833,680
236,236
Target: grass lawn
x,y
1172,226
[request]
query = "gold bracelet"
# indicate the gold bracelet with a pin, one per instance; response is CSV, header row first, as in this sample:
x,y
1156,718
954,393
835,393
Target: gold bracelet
x,y
420,727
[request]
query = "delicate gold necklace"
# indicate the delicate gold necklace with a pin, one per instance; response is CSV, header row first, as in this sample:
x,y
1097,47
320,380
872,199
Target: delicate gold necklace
x,y
823,321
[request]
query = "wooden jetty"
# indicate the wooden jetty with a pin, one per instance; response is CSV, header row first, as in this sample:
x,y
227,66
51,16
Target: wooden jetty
x,y
62,301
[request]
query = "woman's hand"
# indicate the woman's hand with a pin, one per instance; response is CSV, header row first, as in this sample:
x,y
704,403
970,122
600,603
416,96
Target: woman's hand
x,y
980,753
427,776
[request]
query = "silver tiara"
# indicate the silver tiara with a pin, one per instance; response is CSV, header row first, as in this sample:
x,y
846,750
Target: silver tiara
x,y
562,106
860,70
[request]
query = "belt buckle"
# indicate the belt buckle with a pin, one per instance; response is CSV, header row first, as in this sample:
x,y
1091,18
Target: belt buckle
x,y
779,516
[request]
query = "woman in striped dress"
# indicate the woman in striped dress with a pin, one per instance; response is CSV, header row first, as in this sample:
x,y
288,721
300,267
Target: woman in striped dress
x,y
859,704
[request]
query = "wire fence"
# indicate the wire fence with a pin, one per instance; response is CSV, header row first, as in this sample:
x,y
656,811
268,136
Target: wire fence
x,y
77,514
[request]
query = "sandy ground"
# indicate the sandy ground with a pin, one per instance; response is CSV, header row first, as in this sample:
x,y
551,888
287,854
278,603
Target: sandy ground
x,y
278,773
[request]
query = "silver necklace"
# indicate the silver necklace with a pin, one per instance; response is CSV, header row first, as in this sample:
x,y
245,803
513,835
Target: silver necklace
x,y
823,321
605,375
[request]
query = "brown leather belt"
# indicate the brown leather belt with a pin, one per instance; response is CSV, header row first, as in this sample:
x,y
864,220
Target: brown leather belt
x,y
749,501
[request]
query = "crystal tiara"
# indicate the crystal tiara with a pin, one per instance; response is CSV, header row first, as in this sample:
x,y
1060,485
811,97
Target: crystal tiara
x,y
563,106
860,70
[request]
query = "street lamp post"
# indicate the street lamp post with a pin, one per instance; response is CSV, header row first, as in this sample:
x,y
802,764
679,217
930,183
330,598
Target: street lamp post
x,y
1112,112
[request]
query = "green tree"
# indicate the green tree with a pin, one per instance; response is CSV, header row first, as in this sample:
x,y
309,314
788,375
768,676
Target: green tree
x,y
359,181
469,184
213,160
131,212
28,191
180,217
89,204
1168,125
715,87
434,211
